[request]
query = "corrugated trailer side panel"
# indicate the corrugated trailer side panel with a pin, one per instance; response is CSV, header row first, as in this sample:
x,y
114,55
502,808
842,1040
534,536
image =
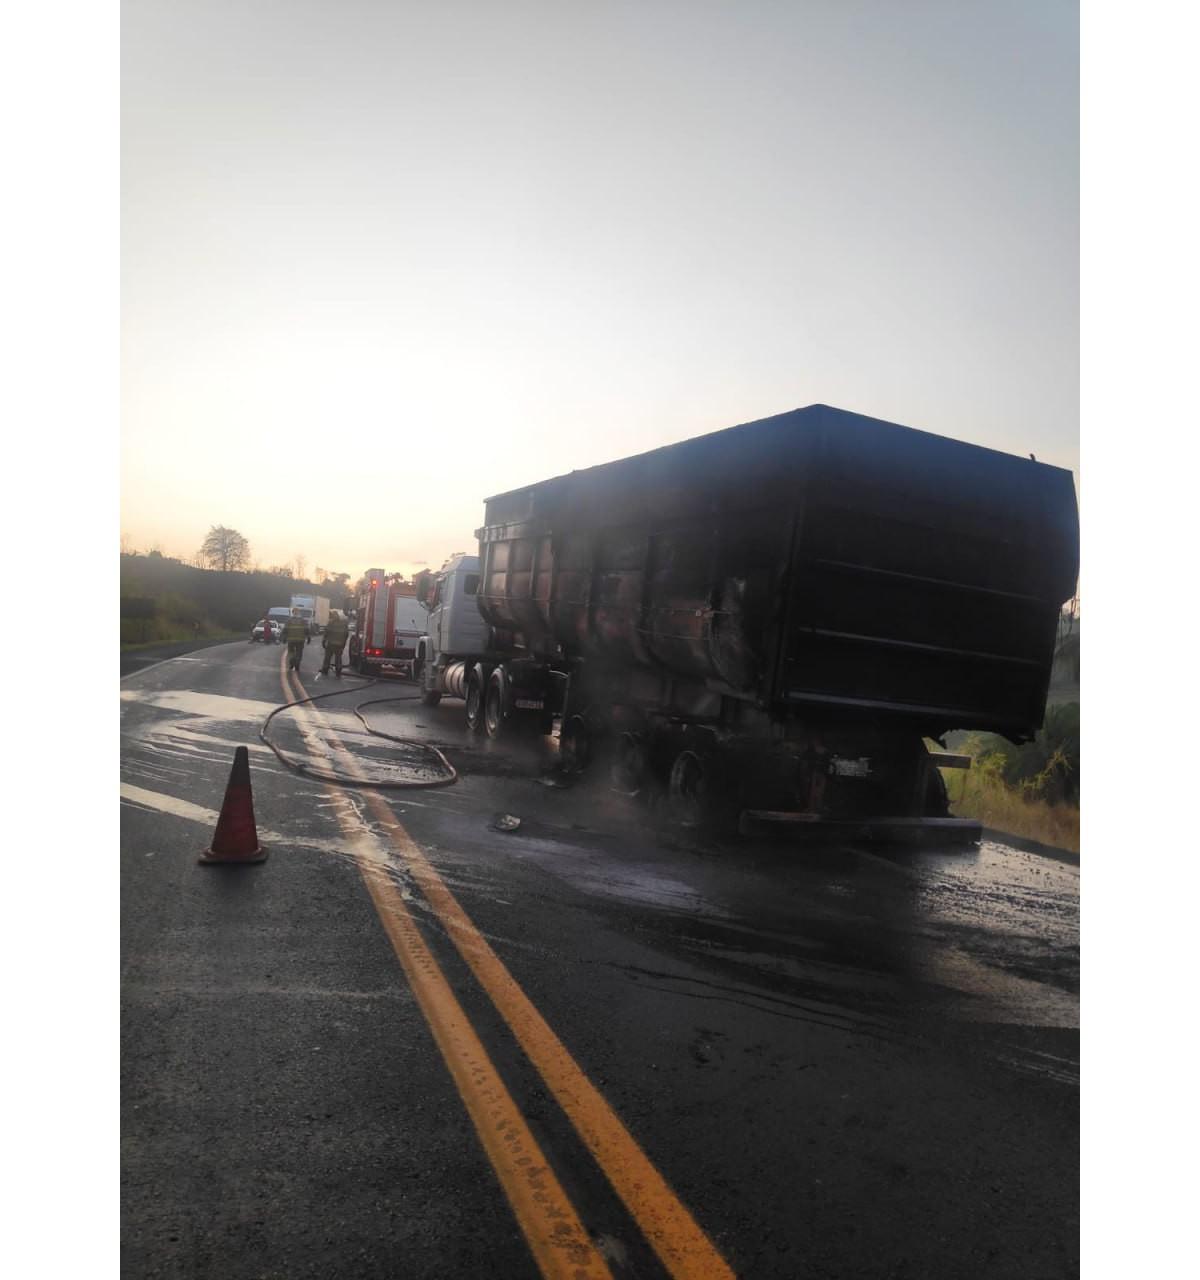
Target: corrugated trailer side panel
x,y
928,577
819,558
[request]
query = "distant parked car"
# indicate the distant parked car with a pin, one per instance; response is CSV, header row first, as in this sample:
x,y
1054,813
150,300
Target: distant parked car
x,y
257,632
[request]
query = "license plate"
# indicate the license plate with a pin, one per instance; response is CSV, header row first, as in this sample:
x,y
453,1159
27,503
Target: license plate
x,y
842,767
528,704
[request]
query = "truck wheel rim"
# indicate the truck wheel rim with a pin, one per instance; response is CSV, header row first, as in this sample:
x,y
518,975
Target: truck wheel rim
x,y
492,711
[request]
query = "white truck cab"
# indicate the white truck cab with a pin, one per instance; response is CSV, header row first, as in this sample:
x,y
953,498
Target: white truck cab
x,y
457,634
455,624
458,657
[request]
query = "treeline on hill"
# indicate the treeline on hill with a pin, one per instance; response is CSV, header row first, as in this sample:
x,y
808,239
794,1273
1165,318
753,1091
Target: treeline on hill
x,y
164,599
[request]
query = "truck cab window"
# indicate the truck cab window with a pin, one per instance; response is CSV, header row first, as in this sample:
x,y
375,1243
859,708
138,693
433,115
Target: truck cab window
x,y
471,583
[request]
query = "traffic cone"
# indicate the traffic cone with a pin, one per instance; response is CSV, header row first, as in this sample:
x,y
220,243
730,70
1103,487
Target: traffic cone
x,y
236,837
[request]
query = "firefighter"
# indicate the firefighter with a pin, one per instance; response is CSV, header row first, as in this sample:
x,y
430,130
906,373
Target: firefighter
x,y
296,636
337,631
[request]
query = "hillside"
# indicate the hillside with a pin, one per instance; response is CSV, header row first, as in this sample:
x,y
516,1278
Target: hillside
x,y
165,600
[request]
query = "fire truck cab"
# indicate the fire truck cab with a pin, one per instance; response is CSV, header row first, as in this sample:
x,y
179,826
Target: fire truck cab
x,y
389,620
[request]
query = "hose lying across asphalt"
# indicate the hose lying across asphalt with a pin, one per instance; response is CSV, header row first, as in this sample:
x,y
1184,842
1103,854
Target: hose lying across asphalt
x,y
324,775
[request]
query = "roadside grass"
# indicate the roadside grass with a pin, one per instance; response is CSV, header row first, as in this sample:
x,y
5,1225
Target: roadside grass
x,y
176,635
1030,790
981,792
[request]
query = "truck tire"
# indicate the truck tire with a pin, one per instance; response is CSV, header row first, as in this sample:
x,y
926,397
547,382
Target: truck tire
x,y
687,790
475,700
575,744
493,705
629,765
937,798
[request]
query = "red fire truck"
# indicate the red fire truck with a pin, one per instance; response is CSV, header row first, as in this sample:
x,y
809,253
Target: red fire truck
x,y
388,622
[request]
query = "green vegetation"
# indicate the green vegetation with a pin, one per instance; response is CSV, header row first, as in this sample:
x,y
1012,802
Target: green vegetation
x,y
1030,790
164,600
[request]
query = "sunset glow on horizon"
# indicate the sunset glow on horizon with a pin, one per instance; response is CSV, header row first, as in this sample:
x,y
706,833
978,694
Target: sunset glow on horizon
x,y
382,261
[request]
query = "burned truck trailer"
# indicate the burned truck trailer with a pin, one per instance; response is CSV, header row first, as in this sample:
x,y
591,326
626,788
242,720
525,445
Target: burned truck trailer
x,y
784,608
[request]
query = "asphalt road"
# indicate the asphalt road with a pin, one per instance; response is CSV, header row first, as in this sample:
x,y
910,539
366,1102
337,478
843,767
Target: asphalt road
x,y
410,1045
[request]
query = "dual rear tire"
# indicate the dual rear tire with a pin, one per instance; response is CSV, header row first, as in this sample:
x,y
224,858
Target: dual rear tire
x,y
475,701
493,704
488,710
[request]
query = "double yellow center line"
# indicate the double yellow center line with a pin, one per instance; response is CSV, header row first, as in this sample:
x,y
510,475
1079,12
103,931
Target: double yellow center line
x,y
551,1226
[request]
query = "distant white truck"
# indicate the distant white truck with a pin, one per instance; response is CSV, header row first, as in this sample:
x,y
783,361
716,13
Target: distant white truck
x,y
314,610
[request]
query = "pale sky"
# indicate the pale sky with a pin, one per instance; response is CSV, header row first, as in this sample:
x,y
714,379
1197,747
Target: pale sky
x,y
381,260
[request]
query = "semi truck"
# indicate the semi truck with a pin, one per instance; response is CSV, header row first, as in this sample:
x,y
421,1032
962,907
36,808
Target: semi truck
x,y
389,620
775,616
314,610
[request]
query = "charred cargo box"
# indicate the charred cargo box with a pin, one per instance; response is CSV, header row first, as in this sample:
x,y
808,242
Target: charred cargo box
x,y
814,561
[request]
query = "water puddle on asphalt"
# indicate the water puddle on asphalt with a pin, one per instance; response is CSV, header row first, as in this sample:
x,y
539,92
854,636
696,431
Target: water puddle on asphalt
x,y
215,706
990,994
595,874
274,841
209,729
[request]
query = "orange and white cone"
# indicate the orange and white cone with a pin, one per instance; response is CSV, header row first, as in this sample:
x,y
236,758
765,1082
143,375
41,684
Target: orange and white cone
x,y
236,836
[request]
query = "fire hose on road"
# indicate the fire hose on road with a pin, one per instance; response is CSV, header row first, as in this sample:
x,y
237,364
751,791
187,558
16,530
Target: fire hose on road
x,y
448,778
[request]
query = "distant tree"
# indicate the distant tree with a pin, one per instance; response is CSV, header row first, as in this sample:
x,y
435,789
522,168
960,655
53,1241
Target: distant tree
x,y
280,571
224,549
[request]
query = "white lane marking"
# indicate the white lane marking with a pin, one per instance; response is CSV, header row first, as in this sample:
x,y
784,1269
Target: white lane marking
x,y
198,813
168,804
231,986
162,662
214,705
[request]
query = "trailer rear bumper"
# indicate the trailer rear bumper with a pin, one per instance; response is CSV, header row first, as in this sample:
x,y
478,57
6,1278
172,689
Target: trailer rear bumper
x,y
401,666
810,826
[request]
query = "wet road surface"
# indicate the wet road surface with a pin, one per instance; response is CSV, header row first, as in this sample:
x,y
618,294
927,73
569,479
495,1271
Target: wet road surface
x,y
838,1063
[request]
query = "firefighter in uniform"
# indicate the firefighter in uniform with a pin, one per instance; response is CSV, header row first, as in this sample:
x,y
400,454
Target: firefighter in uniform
x,y
337,632
296,636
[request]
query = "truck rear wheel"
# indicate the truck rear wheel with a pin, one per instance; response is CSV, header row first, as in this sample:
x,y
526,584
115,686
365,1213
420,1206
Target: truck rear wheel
x,y
475,701
687,791
575,744
493,707
937,798
629,765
